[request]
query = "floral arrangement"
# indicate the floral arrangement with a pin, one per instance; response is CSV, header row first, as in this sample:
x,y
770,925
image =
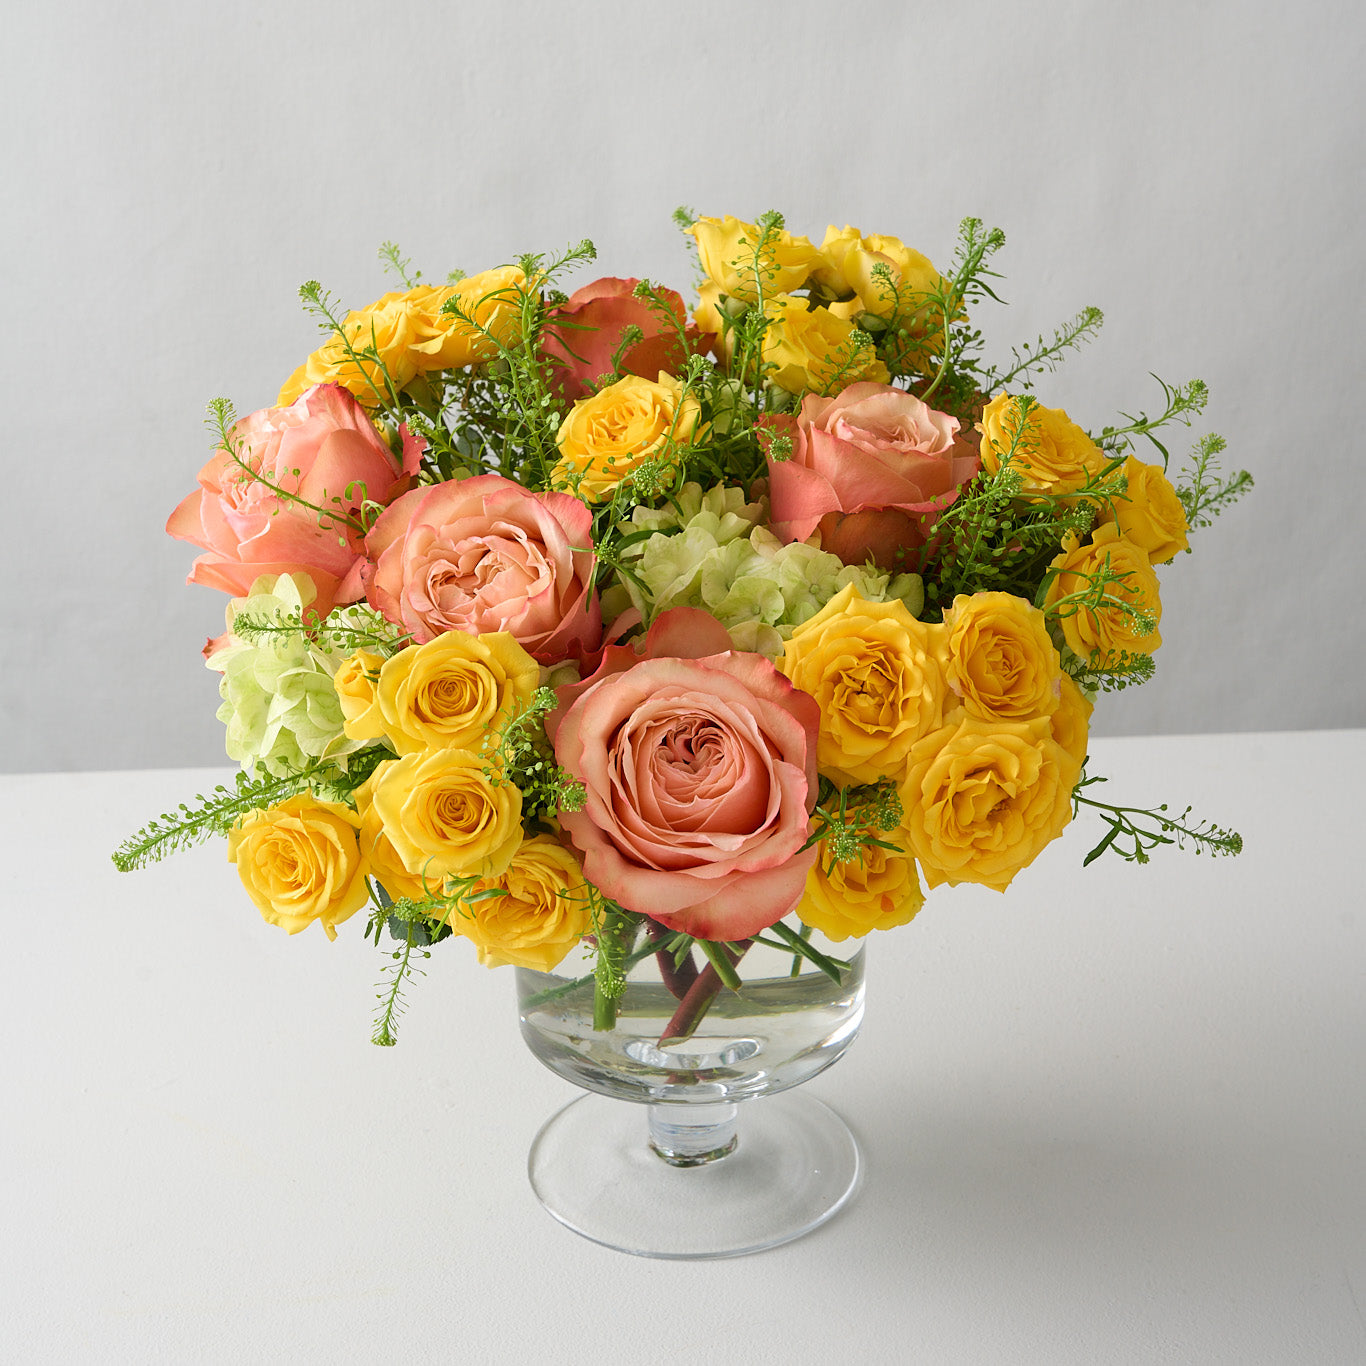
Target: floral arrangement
x,y
555,618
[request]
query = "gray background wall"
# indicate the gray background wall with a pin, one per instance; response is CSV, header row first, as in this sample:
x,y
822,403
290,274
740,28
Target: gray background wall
x,y
172,173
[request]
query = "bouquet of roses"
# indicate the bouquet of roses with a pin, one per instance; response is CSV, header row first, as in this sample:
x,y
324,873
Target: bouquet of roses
x,y
583,618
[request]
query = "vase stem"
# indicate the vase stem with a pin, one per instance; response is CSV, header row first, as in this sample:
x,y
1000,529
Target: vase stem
x,y
690,1135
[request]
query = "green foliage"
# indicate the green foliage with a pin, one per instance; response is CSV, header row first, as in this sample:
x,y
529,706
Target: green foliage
x,y
392,995
211,816
992,539
1046,354
848,820
399,265
1132,832
1204,492
521,753
1181,402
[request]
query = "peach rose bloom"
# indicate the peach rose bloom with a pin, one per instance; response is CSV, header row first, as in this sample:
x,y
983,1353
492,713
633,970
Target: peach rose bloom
x,y
700,775
871,469
323,449
584,333
484,554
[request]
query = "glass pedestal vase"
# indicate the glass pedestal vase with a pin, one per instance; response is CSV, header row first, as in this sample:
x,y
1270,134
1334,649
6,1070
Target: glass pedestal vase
x,y
691,1142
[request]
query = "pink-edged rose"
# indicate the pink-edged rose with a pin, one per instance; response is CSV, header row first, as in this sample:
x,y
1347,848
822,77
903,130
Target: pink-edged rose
x,y
323,449
585,332
484,554
872,468
700,777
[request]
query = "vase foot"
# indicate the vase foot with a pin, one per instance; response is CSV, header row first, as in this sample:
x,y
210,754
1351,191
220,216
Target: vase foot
x,y
793,1166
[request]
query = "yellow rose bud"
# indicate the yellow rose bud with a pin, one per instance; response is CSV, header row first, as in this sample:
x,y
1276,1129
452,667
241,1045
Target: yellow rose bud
x,y
873,669
982,798
726,248
385,328
1049,452
607,435
355,684
1125,621
541,915
300,862
877,890
445,817
1001,660
812,349
1072,720
1149,514
847,262
455,691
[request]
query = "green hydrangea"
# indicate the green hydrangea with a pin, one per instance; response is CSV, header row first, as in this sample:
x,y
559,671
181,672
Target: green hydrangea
x,y
713,552
279,706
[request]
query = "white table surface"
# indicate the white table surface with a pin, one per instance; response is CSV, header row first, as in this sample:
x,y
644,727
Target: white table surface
x,y
1116,1115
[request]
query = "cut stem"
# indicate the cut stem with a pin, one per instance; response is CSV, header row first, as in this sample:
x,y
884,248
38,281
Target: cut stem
x,y
678,977
697,1001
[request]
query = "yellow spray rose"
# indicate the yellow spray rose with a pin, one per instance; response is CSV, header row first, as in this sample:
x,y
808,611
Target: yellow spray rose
x,y
876,891
608,434
300,862
388,328
444,816
454,691
541,915
812,349
1126,621
982,798
726,249
874,671
355,684
1149,515
1050,452
1000,658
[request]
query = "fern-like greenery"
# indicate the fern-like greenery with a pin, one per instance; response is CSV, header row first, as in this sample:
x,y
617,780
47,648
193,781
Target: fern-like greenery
x,y
212,815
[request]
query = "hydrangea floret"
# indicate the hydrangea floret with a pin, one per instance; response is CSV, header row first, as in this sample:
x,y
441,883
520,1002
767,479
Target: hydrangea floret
x,y
279,706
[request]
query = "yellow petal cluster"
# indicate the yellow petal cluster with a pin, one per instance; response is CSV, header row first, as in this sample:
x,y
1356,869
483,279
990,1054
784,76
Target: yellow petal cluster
x,y
1126,620
983,797
539,913
726,248
355,682
1149,514
300,862
846,270
607,435
812,349
876,891
1048,450
880,684
411,335
451,692
445,816
1001,660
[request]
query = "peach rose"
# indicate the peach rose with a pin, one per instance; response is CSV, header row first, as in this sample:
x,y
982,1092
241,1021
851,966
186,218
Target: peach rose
x,y
584,333
484,554
700,776
324,450
871,468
